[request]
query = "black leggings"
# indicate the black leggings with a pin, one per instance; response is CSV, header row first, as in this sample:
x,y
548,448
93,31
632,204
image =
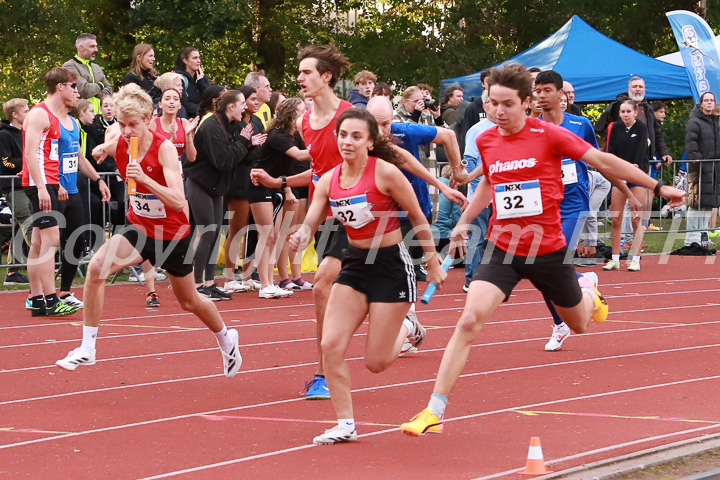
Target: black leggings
x,y
208,213
73,211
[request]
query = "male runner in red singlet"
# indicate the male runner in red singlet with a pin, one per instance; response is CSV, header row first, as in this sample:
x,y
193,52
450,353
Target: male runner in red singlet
x,y
522,161
158,230
40,179
320,67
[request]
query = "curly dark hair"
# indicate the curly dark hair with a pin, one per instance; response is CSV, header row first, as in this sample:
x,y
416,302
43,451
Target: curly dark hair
x,y
383,147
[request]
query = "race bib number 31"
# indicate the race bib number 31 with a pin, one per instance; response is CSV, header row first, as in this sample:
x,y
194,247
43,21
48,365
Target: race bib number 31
x,y
513,200
353,212
148,205
70,162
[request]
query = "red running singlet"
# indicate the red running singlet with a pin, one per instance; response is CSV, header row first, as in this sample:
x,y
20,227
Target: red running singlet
x,y
363,209
147,212
322,144
47,152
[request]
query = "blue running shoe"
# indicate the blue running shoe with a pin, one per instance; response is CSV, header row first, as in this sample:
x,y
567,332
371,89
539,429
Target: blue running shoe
x,y
316,389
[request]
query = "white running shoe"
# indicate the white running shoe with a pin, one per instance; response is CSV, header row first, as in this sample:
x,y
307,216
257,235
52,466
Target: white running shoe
x,y
160,276
232,360
417,338
611,265
134,278
273,291
253,284
73,301
28,304
634,266
76,358
560,334
407,348
337,434
233,286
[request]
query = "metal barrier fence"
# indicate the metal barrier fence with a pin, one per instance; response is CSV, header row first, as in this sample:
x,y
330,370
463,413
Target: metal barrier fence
x,y
670,222
16,236
667,226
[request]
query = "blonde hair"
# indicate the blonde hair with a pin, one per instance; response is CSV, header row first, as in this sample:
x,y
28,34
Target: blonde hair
x,y
82,105
166,80
446,172
409,92
12,106
133,101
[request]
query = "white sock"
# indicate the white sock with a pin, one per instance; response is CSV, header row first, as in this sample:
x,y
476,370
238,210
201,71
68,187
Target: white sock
x,y
637,259
89,338
223,339
437,404
347,423
409,325
616,258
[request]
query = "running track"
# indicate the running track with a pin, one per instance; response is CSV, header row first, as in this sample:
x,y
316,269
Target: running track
x,y
156,404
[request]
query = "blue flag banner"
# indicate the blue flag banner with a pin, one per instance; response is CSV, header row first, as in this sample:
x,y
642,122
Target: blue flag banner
x,y
699,51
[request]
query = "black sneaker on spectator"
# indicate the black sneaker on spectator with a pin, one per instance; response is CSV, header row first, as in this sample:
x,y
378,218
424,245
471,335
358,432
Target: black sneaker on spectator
x,y
216,292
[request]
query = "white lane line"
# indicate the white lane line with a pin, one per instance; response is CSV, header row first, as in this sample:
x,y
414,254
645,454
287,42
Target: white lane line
x,y
424,351
420,313
438,295
455,419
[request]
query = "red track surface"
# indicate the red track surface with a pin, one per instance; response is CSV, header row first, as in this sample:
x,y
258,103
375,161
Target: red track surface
x,y
157,405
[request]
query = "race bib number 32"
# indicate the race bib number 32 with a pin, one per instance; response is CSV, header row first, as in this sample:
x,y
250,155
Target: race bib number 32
x,y
353,212
148,205
522,199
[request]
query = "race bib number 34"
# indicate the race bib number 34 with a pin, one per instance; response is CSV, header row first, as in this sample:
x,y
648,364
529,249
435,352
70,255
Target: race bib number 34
x,y
353,212
148,205
513,200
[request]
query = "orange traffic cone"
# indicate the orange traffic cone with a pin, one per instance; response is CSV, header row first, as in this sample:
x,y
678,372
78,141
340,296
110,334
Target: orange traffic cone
x,y
535,461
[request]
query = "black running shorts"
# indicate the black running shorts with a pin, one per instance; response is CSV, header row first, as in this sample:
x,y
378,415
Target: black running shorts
x,y
175,256
42,219
548,273
384,275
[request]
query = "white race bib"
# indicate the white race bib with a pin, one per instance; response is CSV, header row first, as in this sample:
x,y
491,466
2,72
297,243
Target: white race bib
x,y
148,205
352,212
569,171
70,163
54,150
513,200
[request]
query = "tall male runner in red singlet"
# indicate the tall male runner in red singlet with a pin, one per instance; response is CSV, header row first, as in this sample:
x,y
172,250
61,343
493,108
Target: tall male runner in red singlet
x,y
40,179
158,230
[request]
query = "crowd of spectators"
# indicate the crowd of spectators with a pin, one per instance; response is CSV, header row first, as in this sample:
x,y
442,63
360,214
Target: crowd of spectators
x,y
221,134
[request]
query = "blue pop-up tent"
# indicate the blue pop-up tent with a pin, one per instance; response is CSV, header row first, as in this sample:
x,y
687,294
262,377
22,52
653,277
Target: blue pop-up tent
x,y
598,67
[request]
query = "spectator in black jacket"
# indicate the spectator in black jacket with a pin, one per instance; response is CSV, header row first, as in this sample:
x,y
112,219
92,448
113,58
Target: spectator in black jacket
x,y
702,141
142,71
11,151
187,64
220,147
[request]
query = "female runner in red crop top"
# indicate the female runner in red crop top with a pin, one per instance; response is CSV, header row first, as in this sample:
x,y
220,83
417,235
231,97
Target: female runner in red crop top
x,y
377,276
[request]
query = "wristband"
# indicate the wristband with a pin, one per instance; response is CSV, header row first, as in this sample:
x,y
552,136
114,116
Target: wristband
x,y
284,181
463,163
657,188
99,179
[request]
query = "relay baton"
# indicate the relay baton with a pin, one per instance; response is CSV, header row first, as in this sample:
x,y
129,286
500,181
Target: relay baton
x,y
430,290
133,154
